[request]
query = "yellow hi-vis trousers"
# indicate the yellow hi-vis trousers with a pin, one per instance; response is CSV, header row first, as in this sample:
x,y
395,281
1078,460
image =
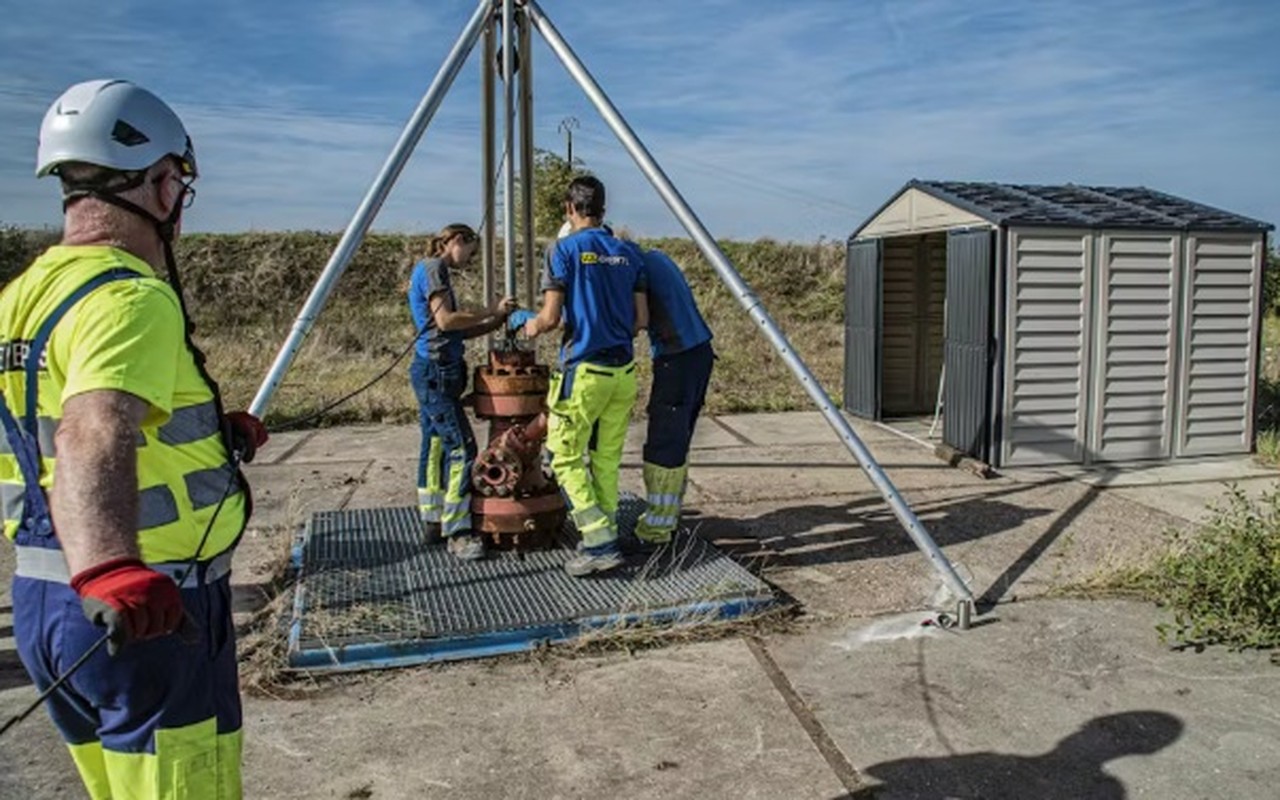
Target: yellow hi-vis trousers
x,y
590,408
159,720
431,489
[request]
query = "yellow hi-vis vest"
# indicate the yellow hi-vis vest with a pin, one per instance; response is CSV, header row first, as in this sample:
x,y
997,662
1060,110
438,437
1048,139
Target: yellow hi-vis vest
x,y
129,336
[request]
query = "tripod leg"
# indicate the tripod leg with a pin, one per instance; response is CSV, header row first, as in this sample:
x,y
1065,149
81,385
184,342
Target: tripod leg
x,y
667,191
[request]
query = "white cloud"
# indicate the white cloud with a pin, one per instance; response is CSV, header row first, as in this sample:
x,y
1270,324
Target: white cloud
x,y
790,120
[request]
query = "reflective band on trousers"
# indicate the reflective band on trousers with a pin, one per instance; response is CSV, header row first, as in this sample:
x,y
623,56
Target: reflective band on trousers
x,y
661,523
590,518
51,565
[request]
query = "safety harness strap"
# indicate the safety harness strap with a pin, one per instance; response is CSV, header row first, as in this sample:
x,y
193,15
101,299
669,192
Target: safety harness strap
x,y
24,441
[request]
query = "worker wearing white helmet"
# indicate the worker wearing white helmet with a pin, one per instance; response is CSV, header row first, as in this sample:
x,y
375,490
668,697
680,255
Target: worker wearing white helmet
x,y
119,476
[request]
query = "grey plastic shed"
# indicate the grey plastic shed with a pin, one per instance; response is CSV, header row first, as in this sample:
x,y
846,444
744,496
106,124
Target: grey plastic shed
x,y
1063,324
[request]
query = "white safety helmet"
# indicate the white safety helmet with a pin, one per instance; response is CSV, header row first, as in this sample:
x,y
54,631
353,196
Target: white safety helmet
x,y
113,124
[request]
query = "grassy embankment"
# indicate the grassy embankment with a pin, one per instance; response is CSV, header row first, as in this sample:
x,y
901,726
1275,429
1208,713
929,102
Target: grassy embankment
x,y
244,291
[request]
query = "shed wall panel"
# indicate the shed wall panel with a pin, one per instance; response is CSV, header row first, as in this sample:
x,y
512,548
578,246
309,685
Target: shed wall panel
x,y
1135,346
967,409
862,330
1048,319
1220,303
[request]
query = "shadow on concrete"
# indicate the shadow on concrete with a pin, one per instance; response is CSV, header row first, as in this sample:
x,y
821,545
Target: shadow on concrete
x,y
1012,573
1072,770
815,534
250,598
810,535
12,673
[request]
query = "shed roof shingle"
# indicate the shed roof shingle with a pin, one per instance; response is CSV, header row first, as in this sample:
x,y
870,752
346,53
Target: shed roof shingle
x,y
1085,206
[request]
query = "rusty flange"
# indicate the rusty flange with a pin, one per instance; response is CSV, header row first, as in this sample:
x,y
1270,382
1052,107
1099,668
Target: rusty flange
x,y
521,523
512,384
488,406
514,504
511,464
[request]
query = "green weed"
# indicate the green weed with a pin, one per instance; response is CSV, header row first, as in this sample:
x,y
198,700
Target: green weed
x,y
1222,580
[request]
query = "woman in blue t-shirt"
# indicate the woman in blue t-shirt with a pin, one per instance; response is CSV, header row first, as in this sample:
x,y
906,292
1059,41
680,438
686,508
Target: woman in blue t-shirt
x,y
439,377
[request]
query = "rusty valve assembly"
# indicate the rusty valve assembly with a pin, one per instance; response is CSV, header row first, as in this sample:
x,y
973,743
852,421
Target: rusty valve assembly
x,y
515,504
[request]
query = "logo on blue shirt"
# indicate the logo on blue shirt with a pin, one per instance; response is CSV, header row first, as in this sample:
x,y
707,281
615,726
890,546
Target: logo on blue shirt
x,y
609,261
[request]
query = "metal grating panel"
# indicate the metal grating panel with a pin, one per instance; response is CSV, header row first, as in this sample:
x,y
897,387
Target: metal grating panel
x,y
370,593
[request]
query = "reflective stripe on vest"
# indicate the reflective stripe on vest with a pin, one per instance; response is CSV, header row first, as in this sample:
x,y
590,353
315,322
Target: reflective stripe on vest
x,y
190,424
156,505
51,565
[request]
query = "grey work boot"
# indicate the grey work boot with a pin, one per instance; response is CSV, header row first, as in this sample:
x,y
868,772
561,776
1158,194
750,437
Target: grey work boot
x,y
588,562
466,546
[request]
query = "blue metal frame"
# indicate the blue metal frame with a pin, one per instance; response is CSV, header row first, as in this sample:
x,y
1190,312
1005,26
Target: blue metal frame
x,y
383,655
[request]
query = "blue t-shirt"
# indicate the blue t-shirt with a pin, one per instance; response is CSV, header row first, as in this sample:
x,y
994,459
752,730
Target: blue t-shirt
x,y
675,324
432,277
599,275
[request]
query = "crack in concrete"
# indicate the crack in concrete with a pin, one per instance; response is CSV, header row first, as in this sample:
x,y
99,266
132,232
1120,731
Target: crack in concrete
x,y
732,432
294,448
355,485
844,771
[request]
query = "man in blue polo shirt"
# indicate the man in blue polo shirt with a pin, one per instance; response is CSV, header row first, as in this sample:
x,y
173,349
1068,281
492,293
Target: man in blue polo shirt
x,y
682,361
593,284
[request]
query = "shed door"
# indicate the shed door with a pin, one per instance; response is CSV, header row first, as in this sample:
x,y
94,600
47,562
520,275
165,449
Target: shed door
x,y
1046,368
1136,322
967,353
862,330
1219,359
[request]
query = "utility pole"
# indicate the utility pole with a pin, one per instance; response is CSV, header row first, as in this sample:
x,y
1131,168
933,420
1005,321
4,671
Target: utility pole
x,y
566,127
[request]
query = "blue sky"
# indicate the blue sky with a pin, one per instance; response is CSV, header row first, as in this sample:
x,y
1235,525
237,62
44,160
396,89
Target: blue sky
x,y
793,120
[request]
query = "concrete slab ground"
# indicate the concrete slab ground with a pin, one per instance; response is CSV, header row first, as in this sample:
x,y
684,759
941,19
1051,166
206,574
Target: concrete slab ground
x,y
1047,698
1052,699
1184,489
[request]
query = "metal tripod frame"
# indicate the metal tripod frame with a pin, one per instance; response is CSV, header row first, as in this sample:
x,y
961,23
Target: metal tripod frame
x,y
483,19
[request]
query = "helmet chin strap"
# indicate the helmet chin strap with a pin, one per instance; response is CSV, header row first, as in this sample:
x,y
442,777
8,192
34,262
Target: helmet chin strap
x,y
165,229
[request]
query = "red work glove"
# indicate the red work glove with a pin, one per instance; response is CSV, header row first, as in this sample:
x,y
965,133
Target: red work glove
x,y
247,434
131,600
